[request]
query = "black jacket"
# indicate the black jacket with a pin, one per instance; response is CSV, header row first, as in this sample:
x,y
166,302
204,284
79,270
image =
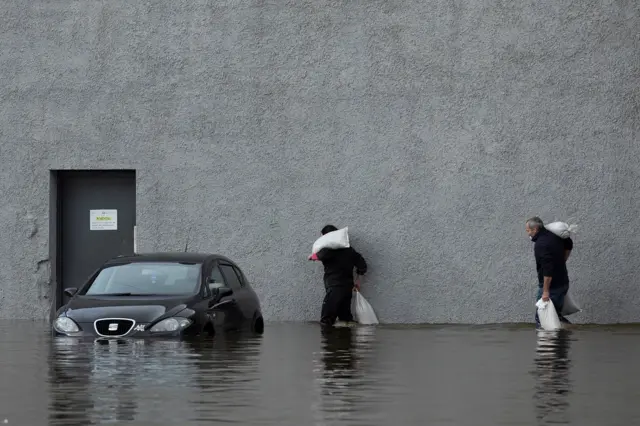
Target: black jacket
x,y
550,262
339,264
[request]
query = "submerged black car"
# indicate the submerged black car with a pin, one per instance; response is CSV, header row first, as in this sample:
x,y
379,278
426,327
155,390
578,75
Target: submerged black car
x,y
161,294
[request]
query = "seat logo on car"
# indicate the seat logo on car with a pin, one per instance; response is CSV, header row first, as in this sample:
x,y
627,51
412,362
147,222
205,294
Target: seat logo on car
x,y
113,326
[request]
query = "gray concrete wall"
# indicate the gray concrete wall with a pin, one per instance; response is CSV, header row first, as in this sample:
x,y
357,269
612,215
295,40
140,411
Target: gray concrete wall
x,y
431,128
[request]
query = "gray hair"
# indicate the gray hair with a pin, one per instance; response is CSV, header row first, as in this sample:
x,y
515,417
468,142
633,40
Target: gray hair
x,y
535,223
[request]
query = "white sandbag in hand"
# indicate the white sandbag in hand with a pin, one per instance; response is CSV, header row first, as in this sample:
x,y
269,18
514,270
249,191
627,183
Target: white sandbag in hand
x,y
547,315
569,307
562,229
332,240
362,311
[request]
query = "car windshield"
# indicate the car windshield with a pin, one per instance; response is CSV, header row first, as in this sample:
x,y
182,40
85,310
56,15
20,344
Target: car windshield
x,y
146,278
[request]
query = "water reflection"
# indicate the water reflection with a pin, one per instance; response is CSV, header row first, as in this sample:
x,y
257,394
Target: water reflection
x,y
342,375
298,374
553,383
335,375
69,376
338,355
226,377
119,380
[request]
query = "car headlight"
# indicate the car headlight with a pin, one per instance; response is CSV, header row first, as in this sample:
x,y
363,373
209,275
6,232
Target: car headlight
x,y
171,324
65,325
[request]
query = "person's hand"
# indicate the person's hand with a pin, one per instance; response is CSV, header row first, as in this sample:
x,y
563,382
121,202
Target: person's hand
x,y
545,296
356,284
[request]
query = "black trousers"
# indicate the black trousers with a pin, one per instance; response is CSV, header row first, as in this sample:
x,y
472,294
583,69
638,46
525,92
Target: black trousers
x,y
336,304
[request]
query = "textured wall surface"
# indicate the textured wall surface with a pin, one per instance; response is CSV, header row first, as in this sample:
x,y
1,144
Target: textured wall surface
x,y
431,128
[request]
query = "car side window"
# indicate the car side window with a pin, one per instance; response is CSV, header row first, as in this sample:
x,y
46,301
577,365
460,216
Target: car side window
x,y
231,277
215,278
243,279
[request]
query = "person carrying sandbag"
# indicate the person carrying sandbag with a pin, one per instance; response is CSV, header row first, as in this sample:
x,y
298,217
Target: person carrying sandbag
x,y
551,253
339,260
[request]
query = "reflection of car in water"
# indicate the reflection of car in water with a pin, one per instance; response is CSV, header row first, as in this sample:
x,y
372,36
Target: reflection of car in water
x,y
132,380
161,294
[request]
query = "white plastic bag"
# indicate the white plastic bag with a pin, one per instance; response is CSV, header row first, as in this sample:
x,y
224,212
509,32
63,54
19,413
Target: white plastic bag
x,y
562,229
362,311
569,307
547,315
333,240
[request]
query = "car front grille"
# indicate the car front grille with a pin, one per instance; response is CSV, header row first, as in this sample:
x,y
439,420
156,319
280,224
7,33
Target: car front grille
x,y
113,327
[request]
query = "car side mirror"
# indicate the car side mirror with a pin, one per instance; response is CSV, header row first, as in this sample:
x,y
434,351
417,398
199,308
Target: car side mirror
x,y
218,289
218,293
224,292
71,291
214,285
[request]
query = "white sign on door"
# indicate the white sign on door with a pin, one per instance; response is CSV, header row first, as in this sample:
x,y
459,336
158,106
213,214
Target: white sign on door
x,y
103,220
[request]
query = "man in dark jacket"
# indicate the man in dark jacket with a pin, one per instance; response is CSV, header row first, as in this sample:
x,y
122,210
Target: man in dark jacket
x,y
551,253
338,280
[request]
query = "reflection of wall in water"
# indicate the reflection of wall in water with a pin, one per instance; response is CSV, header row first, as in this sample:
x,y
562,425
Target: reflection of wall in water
x,y
23,370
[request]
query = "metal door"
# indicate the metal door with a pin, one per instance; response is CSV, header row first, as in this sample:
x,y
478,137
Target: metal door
x,y
98,213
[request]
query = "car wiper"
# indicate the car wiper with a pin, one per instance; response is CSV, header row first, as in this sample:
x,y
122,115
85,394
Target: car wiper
x,y
118,294
134,294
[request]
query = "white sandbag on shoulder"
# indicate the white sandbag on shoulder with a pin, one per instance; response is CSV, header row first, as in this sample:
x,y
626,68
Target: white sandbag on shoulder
x,y
562,229
548,316
362,311
332,240
569,307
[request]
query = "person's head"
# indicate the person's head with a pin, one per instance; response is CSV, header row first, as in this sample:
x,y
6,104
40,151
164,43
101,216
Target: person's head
x,y
327,229
533,226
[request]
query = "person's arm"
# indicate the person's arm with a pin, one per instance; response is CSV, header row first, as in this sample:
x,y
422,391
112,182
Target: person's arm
x,y
568,246
546,285
360,263
545,257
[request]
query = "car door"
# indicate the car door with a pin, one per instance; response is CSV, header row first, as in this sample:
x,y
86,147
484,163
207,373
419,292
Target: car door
x,y
252,304
200,302
225,309
233,280
249,297
202,306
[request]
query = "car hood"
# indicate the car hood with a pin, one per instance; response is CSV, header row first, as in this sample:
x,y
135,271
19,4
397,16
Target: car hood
x,y
83,309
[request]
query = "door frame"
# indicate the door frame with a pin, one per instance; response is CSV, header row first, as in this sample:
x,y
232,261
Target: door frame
x,y
56,190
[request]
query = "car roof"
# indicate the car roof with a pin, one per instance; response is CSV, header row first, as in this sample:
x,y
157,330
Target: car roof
x,y
177,256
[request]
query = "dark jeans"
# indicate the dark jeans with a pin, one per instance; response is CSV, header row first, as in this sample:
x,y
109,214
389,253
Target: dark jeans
x,y
557,297
336,304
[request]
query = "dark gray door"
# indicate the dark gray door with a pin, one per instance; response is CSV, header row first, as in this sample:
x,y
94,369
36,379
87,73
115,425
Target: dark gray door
x,y
98,213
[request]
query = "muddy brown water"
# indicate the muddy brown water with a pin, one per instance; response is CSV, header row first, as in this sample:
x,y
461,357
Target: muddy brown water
x,y
296,375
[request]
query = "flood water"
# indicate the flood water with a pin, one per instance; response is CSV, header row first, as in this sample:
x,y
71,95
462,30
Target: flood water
x,y
296,375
